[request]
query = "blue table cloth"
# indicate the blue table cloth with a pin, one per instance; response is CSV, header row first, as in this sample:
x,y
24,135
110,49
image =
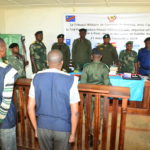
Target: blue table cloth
x,y
136,86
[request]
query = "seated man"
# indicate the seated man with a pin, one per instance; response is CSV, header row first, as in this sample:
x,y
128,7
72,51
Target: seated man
x,y
54,97
95,72
8,75
17,61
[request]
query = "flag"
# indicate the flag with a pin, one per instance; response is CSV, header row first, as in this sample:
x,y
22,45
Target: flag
x,y
70,18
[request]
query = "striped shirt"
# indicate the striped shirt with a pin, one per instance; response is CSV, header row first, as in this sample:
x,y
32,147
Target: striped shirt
x,y
7,88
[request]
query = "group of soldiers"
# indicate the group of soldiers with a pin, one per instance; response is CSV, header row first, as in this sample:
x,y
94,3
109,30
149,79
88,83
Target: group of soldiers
x,y
128,60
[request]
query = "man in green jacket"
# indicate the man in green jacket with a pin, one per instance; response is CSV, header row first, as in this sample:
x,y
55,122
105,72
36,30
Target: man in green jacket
x,y
110,56
128,59
17,61
95,72
64,48
38,53
81,50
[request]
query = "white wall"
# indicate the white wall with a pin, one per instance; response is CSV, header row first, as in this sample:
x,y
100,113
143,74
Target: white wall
x,y
27,21
2,20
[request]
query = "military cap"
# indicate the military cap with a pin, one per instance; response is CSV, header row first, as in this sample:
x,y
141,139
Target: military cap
x,y
147,39
82,29
129,42
13,45
38,32
95,51
106,36
60,36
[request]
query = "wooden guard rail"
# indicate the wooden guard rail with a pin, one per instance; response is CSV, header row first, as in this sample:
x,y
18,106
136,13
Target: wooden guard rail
x,y
105,133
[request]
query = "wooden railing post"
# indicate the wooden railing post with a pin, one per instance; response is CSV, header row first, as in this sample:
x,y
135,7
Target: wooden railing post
x,y
123,124
105,123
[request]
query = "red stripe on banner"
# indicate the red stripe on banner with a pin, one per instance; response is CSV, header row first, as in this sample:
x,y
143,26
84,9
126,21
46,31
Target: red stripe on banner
x,y
70,18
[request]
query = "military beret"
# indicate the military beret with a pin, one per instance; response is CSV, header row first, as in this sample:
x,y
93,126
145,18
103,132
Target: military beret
x,y
106,36
13,45
95,51
38,32
60,36
129,42
84,30
147,39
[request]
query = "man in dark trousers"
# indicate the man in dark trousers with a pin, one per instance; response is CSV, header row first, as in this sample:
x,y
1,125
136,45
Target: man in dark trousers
x,y
95,72
81,50
38,53
54,98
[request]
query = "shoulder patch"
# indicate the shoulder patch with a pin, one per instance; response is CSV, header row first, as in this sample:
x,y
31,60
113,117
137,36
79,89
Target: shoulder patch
x,y
34,42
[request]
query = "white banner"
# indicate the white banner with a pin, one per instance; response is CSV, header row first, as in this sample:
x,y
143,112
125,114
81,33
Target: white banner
x,y
121,27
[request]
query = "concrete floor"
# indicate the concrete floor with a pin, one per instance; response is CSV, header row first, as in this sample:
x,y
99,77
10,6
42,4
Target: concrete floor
x,y
137,136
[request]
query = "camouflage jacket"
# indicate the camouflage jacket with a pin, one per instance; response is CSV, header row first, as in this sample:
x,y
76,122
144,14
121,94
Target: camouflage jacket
x,y
127,61
18,62
38,52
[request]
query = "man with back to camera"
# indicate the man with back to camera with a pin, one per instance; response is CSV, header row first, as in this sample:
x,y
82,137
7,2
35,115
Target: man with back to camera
x,y
8,75
144,58
38,53
64,48
110,56
95,72
17,61
81,50
55,95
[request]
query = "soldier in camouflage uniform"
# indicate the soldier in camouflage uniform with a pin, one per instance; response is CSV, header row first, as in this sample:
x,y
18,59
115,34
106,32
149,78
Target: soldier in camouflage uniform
x,y
64,48
17,61
95,72
38,53
81,50
110,56
128,59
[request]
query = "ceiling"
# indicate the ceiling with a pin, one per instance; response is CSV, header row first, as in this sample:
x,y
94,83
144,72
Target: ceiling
x,y
72,3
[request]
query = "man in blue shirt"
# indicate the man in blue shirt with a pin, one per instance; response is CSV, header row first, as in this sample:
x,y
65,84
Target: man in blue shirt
x,y
144,58
53,99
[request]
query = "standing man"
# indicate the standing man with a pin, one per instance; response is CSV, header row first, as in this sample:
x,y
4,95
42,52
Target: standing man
x,y
38,53
54,98
81,50
144,58
95,72
64,48
108,51
8,75
17,61
128,59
